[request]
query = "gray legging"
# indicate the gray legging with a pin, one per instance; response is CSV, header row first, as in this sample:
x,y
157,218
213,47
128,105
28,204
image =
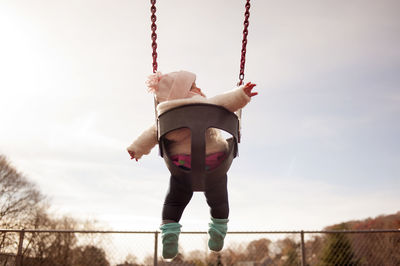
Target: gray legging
x,y
180,193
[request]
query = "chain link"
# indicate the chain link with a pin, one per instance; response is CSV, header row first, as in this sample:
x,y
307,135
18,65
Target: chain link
x,y
244,42
154,34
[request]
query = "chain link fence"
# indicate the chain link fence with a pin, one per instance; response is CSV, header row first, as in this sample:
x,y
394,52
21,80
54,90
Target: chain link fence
x,y
130,248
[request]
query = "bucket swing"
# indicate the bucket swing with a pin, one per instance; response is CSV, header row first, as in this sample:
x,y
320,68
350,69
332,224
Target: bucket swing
x,y
198,117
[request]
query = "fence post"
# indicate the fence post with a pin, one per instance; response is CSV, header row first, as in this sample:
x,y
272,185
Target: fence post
x,y
155,248
303,249
18,260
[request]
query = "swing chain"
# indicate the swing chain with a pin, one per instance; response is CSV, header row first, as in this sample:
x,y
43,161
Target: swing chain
x,y
244,42
154,34
154,54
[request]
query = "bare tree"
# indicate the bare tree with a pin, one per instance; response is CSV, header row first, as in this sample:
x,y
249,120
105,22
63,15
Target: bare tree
x,y
258,249
20,204
89,255
23,206
19,199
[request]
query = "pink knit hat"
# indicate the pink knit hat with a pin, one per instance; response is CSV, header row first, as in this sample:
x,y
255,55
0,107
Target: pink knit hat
x,y
171,86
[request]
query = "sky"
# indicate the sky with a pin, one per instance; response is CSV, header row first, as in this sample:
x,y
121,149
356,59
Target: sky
x,y
320,142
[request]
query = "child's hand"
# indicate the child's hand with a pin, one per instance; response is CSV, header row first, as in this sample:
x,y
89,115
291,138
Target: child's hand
x,y
132,154
247,89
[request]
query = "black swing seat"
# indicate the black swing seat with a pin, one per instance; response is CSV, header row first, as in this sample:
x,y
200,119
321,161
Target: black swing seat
x,y
198,118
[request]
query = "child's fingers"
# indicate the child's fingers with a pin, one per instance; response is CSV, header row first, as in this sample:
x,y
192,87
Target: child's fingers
x,y
247,89
132,154
250,87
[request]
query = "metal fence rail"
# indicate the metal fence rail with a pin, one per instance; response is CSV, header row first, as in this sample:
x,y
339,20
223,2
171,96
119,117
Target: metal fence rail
x,y
134,248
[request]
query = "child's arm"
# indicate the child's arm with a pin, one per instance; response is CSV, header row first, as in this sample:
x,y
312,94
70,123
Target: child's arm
x,y
144,143
235,99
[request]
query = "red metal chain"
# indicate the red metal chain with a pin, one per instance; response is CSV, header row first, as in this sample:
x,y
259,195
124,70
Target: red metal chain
x,y
153,34
244,42
154,54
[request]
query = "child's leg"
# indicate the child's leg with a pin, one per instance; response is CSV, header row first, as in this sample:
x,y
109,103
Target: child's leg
x,y
178,196
217,199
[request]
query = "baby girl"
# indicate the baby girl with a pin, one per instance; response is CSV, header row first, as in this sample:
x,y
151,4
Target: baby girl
x,y
172,90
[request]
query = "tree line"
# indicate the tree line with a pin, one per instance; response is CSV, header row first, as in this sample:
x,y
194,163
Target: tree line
x,y
323,249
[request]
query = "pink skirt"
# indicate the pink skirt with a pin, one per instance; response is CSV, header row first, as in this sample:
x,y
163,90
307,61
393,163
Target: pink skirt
x,y
212,161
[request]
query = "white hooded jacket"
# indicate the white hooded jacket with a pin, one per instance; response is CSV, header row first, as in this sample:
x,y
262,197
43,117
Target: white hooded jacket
x,y
181,138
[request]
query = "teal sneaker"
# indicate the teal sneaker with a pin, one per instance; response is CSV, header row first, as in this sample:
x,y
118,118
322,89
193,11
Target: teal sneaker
x,y
217,232
169,237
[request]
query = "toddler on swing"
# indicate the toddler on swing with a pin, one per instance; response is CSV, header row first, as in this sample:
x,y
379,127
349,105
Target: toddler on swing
x,y
172,90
